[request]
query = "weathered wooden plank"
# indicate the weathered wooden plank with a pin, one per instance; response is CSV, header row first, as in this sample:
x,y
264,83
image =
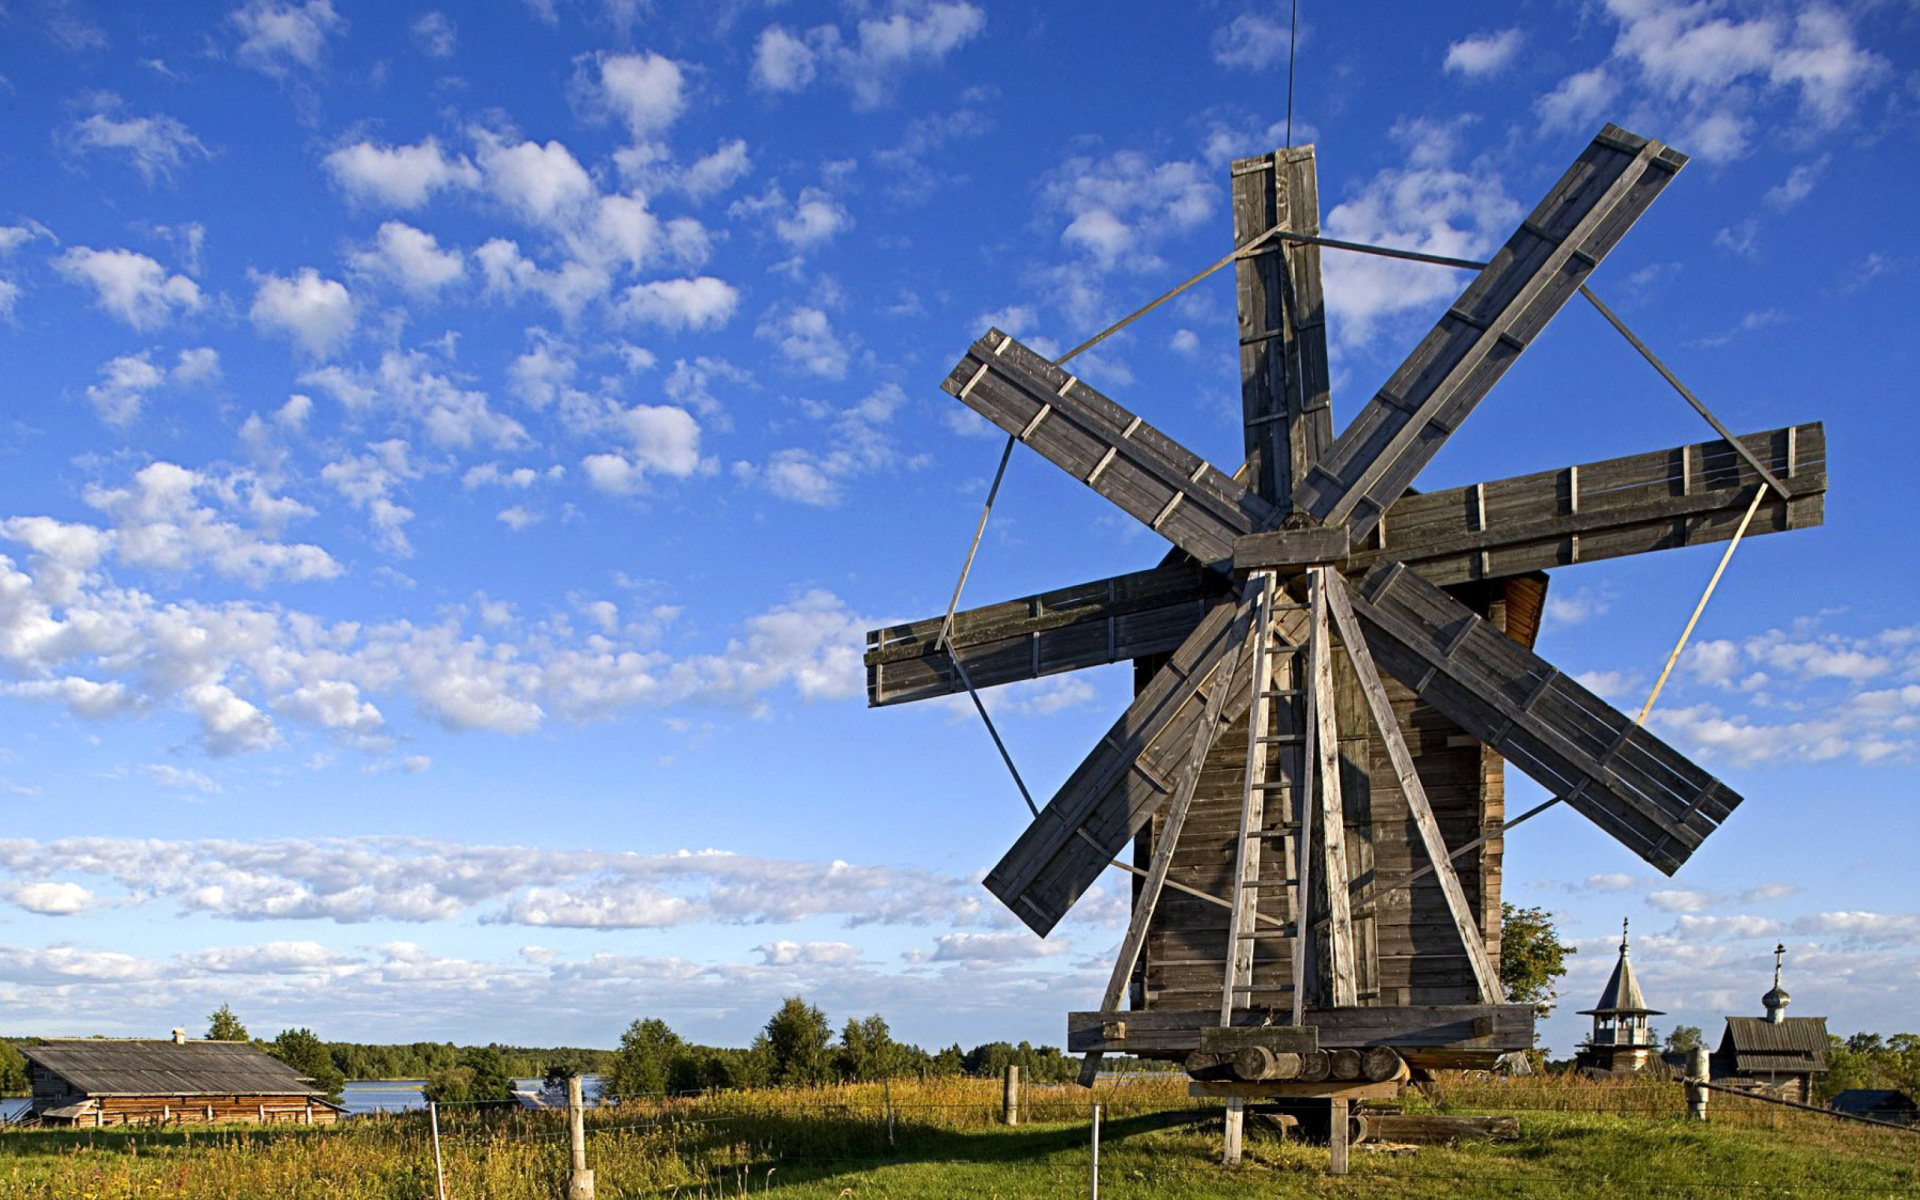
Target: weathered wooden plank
x,y
1486,975
1634,786
1290,548
1461,1026
1282,316
1333,820
1537,271
1292,1039
1180,496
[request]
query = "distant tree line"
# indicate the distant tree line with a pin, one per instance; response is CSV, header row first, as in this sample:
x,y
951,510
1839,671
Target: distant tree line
x,y
1867,1060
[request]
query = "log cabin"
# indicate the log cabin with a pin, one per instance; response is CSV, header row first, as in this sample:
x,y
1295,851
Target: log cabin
x,y
95,1082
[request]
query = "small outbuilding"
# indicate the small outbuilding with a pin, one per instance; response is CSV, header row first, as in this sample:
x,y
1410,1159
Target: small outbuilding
x,y
160,1081
1776,1054
1877,1104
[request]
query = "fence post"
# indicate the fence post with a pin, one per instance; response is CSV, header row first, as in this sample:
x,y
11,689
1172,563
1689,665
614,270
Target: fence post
x,y
1094,1193
1697,1068
886,1092
1010,1096
439,1168
580,1182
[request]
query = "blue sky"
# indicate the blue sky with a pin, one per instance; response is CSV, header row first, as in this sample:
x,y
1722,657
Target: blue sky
x,y
451,457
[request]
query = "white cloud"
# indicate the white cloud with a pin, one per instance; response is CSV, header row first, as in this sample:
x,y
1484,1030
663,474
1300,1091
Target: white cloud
x,y
871,62
229,723
858,446
815,218
806,340
718,171
994,948
131,286
316,313
435,34
647,91
123,387
807,954
410,258
156,146
1798,184
404,383
698,303
1428,204
1484,53
399,176
544,184
48,898
181,779
159,522
1711,75
82,697
1680,900
277,36
569,287
1251,40
781,61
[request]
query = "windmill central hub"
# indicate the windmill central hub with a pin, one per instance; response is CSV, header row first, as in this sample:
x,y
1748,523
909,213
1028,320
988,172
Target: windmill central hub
x,y
1290,551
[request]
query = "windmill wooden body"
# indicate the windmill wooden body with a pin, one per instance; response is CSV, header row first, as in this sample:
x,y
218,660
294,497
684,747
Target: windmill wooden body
x,y
1332,668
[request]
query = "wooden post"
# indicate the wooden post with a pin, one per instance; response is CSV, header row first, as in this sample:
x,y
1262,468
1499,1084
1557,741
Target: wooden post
x,y
1094,1183
1697,1070
1337,1137
439,1166
1010,1096
580,1181
1236,1129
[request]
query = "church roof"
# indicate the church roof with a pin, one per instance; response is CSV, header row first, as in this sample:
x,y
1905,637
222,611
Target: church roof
x,y
1790,1045
1622,994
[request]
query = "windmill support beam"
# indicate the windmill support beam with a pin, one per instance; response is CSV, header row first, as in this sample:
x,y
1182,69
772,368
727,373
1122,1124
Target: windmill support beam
x,y
1341,991
1485,973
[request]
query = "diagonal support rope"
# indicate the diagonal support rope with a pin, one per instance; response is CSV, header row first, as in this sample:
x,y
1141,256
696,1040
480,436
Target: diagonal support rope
x,y
1701,607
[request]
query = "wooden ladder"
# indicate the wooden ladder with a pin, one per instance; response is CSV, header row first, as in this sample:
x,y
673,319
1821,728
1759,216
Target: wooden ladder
x,y
1270,771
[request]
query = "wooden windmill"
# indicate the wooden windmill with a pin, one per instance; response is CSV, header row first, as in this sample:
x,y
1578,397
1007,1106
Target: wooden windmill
x,y
1331,667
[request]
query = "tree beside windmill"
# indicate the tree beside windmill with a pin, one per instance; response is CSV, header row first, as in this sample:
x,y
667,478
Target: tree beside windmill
x,y
1332,669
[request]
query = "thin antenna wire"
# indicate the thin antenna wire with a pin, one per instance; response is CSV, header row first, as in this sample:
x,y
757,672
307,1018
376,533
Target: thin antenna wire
x,y
1293,32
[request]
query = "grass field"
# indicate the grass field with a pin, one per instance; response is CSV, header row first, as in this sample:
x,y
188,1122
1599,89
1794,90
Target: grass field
x,y
1577,1141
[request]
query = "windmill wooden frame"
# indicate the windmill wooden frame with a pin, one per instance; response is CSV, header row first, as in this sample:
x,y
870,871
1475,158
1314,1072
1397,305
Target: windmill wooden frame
x,y
1332,669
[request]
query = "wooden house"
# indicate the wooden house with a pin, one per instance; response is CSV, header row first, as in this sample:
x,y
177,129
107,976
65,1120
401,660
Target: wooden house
x,y
156,1081
1775,1054
1877,1104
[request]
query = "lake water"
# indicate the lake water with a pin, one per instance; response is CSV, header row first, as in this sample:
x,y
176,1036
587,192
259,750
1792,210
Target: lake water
x,y
403,1095
379,1095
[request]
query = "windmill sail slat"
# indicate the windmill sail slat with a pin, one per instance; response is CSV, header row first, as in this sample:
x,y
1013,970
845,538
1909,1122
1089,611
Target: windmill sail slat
x,y
1684,496
1644,793
1118,787
1193,505
1538,270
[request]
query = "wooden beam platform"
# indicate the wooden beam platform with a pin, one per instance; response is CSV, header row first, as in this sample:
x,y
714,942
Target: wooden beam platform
x,y
1482,1030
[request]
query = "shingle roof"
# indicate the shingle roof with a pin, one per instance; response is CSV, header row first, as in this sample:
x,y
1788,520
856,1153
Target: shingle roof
x,y
1866,1100
1622,994
99,1067
1791,1045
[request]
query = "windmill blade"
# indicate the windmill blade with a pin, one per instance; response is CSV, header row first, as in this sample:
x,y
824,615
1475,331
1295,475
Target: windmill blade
x,y
1126,779
1150,476
1091,624
1539,269
1576,745
1685,496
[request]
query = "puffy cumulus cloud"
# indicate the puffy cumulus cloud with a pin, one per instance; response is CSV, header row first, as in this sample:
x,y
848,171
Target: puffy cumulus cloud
x,y
1427,204
398,176
411,259
806,340
1251,40
645,91
714,173
435,34
276,37
858,444
1484,53
127,381
543,184
1716,72
355,880
240,669
315,312
159,521
810,221
404,384
131,286
665,440
872,60
48,898
994,949
1117,210
569,287
1862,928
807,954
699,303
156,146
